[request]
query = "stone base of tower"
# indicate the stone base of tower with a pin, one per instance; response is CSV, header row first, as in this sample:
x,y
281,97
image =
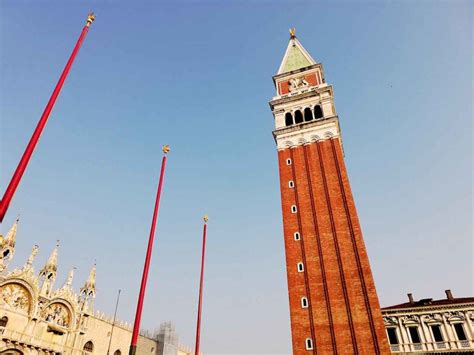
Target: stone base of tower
x,y
332,295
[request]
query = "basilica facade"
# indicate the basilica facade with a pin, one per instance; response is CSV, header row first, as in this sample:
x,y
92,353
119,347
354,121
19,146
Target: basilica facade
x,y
37,318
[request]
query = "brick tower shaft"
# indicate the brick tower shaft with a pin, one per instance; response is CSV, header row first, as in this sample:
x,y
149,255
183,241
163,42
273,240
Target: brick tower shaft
x,y
334,307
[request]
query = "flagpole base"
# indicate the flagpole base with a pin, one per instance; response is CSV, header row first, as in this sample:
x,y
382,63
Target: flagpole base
x,y
133,350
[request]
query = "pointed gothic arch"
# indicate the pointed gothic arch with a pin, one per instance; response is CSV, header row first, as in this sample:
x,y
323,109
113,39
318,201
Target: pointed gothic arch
x,y
88,347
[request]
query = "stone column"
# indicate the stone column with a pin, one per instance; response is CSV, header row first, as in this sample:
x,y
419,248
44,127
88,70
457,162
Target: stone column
x,y
449,332
429,342
405,341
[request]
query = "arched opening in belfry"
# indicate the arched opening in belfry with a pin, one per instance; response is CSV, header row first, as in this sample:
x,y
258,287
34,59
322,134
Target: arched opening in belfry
x,y
308,115
117,352
298,117
12,352
318,113
288,119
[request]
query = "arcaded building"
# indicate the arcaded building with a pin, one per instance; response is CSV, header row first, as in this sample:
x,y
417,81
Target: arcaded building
x,y
38,318
431,326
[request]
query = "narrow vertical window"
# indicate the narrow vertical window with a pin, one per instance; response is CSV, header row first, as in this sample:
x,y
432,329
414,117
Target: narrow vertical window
x,y
309,344
288,119
297,236
304,302
291,184
437,334
288,161
461,334
300,267
293,209
414,335
392,336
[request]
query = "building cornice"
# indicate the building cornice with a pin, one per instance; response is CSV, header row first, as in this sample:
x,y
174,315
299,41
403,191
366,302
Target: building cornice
x,y
305,93
307,132
421,309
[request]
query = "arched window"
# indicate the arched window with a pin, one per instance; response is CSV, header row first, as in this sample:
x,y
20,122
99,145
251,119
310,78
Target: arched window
x,y
298,117
288,119
308,115
117,352
318,113
3,321
309,344
304,302
88,347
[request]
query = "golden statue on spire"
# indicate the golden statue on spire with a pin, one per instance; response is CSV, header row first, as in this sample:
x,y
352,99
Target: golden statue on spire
x,y
292,33
166,148
205,218
90,19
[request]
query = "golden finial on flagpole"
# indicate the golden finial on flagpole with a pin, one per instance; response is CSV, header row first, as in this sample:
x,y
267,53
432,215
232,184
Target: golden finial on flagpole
x,y
292,32
205,218
90,19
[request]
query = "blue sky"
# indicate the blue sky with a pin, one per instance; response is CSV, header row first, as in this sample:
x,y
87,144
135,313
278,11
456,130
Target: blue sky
x,y
198,76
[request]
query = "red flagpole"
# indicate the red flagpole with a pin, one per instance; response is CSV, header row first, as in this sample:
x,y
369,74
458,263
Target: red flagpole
x,y
141,296
201,283
11,188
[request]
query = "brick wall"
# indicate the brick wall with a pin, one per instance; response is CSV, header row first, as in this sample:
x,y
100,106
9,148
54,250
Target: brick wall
x,y
344,313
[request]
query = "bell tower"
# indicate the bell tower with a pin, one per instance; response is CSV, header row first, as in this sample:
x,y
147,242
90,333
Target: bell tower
x,y
334,307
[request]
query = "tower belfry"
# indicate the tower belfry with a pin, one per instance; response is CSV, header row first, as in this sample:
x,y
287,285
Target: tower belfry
x,y
333,303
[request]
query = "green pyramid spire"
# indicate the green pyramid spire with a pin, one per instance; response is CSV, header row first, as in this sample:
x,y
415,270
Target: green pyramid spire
x,y
296,57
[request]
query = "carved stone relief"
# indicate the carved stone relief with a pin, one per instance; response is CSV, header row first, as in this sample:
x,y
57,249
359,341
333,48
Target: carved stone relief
x,y
411,319
58,314
298,84
16,297
432,318
390,321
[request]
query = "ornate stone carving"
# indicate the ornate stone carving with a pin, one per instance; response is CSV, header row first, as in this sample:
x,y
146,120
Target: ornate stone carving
x,y
16,297
297,84
411,319
390,321
432,318
454,315
57,313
